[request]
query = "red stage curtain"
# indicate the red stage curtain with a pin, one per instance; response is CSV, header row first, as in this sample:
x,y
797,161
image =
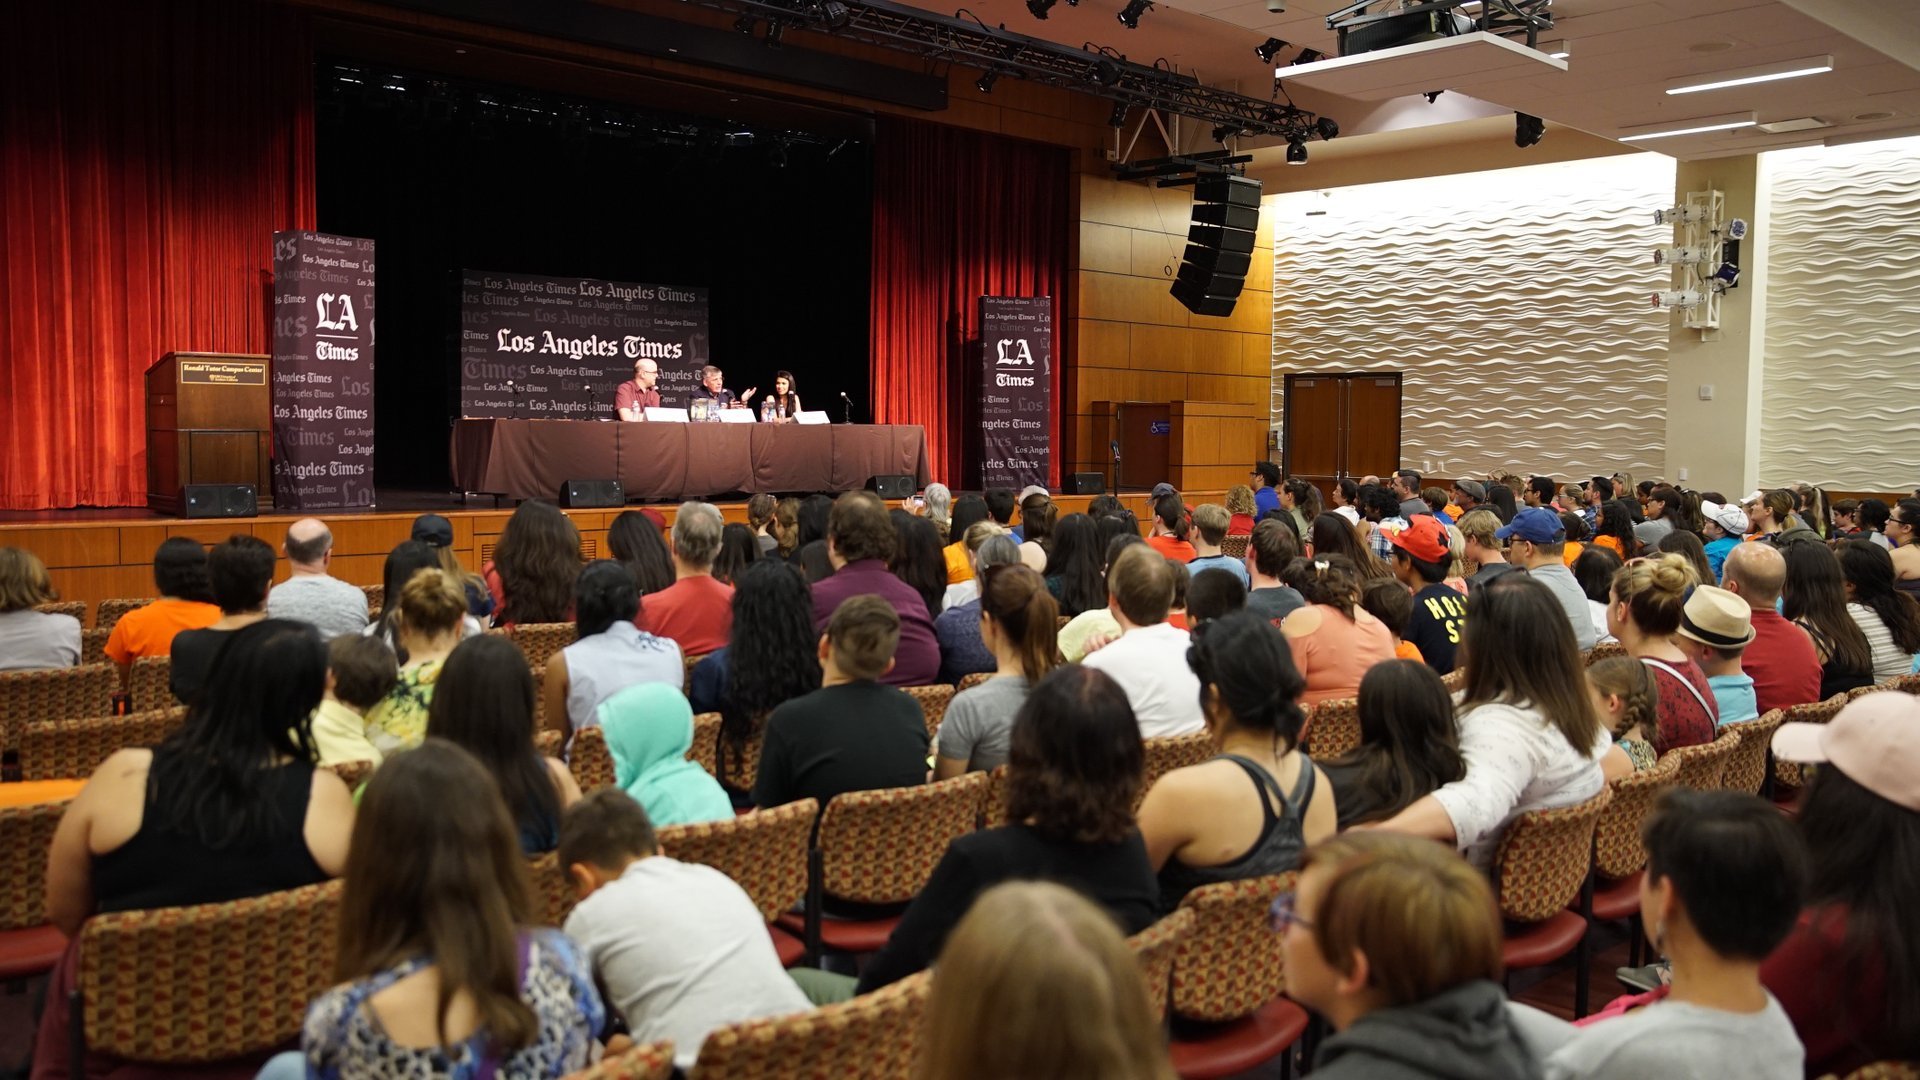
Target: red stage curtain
x,y
148,151
958,215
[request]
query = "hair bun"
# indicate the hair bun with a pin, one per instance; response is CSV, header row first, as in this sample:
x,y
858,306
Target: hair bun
x,y
1671,574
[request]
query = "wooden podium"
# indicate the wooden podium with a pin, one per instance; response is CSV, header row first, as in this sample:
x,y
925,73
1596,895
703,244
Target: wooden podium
x,y
1193,445
209,421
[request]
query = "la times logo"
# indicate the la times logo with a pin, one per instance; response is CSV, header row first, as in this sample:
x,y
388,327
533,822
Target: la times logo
x,y
1012,353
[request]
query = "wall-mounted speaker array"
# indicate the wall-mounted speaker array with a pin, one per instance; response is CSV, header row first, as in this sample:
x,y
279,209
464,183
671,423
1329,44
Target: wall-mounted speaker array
x,y
1226,211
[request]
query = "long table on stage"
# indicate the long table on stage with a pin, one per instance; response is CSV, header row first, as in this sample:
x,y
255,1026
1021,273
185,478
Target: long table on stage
x,y
526,459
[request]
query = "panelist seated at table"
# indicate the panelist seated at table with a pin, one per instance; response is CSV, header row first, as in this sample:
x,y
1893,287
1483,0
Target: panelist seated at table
x,y
634,397
781,406
713,391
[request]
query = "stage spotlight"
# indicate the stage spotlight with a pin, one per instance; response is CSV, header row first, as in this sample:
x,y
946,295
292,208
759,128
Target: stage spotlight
x,y
745,24
1296,152
1106,72
1327,127
1130,15
774,30
1308,56
1527,130
1119,117
1268,50
1728,275
1039,7
835,14
985,82
1224,132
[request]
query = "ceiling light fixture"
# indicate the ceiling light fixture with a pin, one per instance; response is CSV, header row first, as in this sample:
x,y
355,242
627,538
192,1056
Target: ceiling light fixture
x,y
1697,126
774,30
1119,117
1266,51
835,15
985,82
1296,152
1527,130
1130,15
1790,69
1327,127
1308,56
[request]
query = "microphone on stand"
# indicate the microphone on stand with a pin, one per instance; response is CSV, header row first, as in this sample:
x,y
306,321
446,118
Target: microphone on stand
x,y
513,395
847,414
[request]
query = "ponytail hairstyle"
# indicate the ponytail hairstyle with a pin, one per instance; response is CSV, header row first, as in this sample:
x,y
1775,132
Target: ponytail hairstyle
x,y
1246,670
1017,600
1172,514
1306,497
1632,682
1325,579
1815,596
1655,590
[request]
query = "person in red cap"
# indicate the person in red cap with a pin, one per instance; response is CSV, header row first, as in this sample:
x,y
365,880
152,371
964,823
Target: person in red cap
x,y
1420,561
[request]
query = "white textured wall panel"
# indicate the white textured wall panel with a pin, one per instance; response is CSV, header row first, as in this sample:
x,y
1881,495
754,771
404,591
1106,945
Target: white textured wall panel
x,y
1514,302
1843,318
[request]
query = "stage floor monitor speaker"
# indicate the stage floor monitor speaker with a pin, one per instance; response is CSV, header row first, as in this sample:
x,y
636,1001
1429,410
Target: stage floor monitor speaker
x,y
219,501
592,494
1086,483
891,485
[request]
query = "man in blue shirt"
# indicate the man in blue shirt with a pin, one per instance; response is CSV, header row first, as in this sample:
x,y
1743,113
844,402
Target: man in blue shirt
x,y
1266,479
1716,627
1724,527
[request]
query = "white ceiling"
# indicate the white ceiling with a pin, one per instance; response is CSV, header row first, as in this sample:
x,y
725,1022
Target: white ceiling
x,y
1624,55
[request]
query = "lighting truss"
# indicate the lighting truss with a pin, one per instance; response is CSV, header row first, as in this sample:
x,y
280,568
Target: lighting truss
x,y
1503,18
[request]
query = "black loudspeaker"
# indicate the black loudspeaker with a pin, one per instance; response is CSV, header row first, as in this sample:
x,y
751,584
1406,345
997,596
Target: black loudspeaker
x,y
219,501
891,485
1086,483
592,494
1226,212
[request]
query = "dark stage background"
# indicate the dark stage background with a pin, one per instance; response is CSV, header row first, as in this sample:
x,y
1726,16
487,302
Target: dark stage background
x,y
445,175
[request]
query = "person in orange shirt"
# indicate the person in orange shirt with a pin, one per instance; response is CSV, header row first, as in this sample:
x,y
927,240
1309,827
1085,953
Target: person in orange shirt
x,y
1389,601
186,603
1577,535
1170,527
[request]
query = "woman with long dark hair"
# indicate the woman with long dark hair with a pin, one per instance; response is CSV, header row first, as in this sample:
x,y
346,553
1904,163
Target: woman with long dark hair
x,y
1408,744
772,657
484,705
784,403
917,558
1076,574
441,975
635,542
1614,529
1168,536
185,603
1500,498
1037,515
609,652
1888,617
738,549
811,554
1815,597
1332,534
1019,624
534,564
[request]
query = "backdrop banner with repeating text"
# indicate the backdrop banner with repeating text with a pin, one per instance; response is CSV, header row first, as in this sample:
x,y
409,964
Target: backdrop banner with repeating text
x,y
323,337
558,348
1016,390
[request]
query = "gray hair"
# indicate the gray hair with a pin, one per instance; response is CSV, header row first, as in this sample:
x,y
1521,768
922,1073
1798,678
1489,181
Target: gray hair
x,y
696,533
939,505
996,551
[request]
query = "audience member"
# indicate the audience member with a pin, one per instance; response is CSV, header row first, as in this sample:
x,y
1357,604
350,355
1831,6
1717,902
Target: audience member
x,y
852,734
1389,601
32,640
649,730
1168,534
1408,745
1210,522
1849,971
1781,658
435,531
1073,770
1889,618
785,528
1249,810
1614,529
777,649
1420,557
609,653
1397,943
186,603
1271,548
484,704
1019,623
1037,514
1577,536
1724,877
1406,488
1036,981
1149,658
534,566
1212,594
965,592
1482,548
1001,504
1301,500
1345,495
239,572
1436,500
1104,504
1500,501
1644,614
937,508
310,594
1332,534
1333,639
680,948
428,622
1687,545
738,549
1872,516
1177,608
1536,541
1240,510
1815,598
860,541
408,558
815,511
1628,702
1902,531
696,611
1776,520
1076,568
440,975
360,672
760,511
1594,570
1468,495
1379,519
1661,506
1096,625
1527,725
1266,482
963,650
1723,527
918,560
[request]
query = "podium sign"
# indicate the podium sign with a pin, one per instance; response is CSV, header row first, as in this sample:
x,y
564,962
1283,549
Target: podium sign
x,y
322,371
1016,390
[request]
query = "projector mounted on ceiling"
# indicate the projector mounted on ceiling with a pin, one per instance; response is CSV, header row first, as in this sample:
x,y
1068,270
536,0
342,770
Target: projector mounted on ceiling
x,y
1392,23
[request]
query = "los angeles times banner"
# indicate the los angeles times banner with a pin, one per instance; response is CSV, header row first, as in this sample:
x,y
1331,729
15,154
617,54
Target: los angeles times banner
x,y
323,338
558,348
1016,390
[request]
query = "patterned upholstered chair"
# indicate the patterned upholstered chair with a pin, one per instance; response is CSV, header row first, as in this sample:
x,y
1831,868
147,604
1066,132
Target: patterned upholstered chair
x,y
1542,863
1171,752
879,847
1455,680
993,807
1234,547
873,1037
1704,767
75,608
654,1061
553,894
1619,858
1884,1070
739,766
1333,728
765,852
29,697
1154,947
548,743
968,682
93,644
150,684
590,761
1746,769
29,945
933,703
72,749
376,600
110,611
1229,975
541,640
705,751
686,678
352,773
194,985
1787,777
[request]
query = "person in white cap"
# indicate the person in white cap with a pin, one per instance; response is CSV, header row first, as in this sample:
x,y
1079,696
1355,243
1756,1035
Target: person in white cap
x,y
1724,525
1849,973
1715,629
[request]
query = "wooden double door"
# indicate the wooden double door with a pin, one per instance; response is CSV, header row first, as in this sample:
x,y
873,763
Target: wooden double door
x,y
1339,426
